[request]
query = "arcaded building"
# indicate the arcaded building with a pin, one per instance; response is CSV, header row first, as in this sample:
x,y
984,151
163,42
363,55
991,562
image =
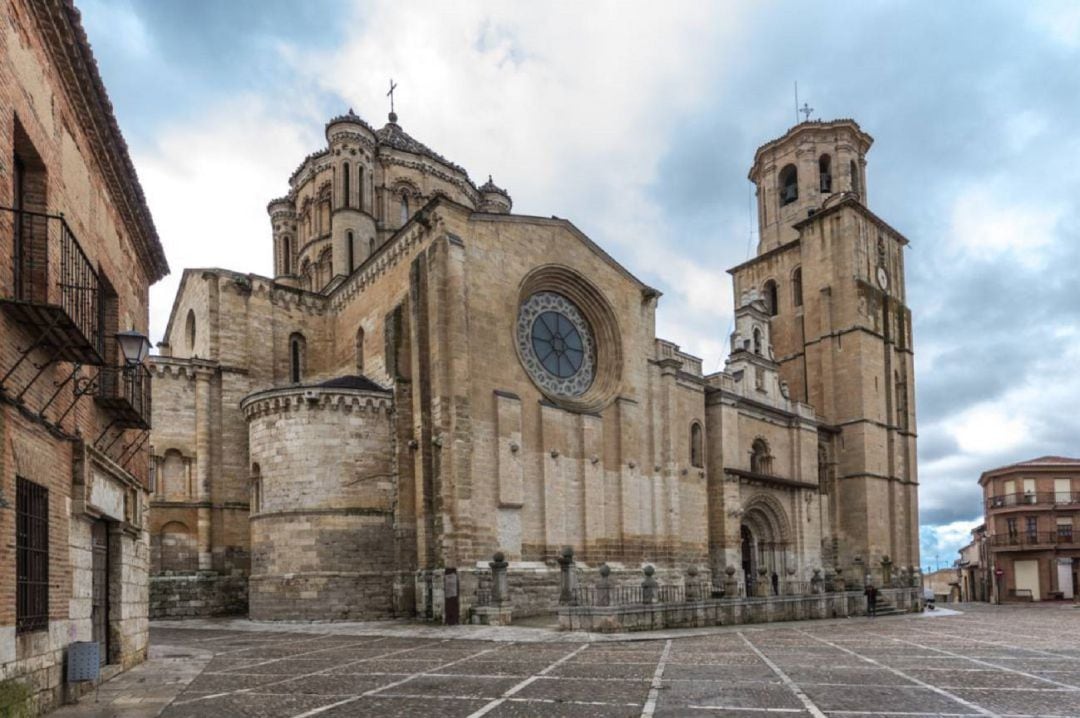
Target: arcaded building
x,y
79,251
429,378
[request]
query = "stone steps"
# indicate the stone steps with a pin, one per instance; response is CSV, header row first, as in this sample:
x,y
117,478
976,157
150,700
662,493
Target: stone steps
x,y
886,607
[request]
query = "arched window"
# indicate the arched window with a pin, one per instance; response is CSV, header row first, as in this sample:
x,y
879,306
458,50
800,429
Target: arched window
x,y
771,299
822,466
286,256
404,208
760,459
296,357
856,186
757,341
360,350
789,185
796,287
901,402
697,458
174,480
189,330
360,186
256,488
351,250
345,182
177,548
305,273
825,173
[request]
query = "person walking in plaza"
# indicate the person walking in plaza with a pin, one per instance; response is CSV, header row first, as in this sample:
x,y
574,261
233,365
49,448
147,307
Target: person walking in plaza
x,y
871,599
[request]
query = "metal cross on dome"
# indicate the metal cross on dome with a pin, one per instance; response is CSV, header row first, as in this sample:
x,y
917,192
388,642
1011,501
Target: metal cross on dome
x,y
390,94
806,109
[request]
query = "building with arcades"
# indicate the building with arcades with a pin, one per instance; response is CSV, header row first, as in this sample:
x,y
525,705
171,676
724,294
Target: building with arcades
x,y
429,378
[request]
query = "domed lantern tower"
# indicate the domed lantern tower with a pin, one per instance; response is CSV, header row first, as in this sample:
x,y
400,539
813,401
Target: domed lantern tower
x,y
352,148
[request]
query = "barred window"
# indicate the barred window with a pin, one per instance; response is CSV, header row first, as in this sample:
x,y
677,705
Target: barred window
x,y
31,556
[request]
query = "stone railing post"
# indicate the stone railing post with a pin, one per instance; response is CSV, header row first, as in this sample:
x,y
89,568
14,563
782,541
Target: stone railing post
x,y
731,584
500,592
792,585
648,586
830,580
603,586
692,585
567,580
886,572
838,582
816,582
762,587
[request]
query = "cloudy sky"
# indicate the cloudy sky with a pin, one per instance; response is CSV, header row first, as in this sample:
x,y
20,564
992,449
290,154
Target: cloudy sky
x,y
639,121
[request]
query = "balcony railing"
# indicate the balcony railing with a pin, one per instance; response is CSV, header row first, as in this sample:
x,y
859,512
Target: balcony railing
x,y
125,392
1039,538
1036,498
54,287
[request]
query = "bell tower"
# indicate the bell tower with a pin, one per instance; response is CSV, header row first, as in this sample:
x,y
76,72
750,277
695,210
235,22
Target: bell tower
x,y
831,273
796,174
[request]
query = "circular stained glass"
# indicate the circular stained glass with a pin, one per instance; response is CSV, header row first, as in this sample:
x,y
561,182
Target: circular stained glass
x,y
555,344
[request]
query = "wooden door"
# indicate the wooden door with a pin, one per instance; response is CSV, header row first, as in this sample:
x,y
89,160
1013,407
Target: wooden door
x,y
1027,577
99,613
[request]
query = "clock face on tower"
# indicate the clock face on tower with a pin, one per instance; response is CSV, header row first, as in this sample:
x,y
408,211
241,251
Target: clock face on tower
x,y
556,344
882,278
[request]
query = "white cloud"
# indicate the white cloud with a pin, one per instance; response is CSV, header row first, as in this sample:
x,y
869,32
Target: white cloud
x,y
940,544
1059,20
989,428
568,109
208,185
117,23
988,224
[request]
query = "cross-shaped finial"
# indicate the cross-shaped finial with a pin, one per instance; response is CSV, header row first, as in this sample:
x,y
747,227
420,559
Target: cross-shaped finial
x,y
806,109
390,94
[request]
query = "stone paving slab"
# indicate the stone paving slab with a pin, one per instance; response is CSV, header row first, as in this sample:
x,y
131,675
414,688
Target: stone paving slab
x,y
1007,661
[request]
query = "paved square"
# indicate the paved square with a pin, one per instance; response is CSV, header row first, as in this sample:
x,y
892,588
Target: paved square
x,y
988,660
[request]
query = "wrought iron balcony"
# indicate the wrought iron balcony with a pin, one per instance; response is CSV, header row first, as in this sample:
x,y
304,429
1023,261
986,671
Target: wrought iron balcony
x,y
1034,498
53,288
1037,538
125,393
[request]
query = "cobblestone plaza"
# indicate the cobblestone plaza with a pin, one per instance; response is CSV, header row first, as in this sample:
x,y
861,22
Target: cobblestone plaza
x,y
983,660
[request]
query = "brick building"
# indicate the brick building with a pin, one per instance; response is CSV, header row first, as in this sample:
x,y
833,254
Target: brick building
x,y
975,567
79,251
1033,528
428,378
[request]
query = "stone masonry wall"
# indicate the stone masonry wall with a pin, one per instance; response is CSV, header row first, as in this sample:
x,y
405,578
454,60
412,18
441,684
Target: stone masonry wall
x,y
322,531
203,594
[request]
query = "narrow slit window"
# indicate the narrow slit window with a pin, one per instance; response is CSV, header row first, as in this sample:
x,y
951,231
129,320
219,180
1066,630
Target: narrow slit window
x,y
345,170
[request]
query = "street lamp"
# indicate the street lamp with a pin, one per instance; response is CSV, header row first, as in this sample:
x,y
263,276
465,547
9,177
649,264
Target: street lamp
x,y
134,346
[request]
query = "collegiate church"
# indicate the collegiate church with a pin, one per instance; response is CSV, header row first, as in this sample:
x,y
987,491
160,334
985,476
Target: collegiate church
x,y
429,378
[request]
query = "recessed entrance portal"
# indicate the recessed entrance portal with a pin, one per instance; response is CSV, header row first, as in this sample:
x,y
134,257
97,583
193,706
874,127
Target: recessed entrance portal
x,y
765,543
748,558
99,609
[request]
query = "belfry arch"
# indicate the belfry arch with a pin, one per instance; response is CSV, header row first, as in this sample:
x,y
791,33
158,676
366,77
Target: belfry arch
x,y
766,540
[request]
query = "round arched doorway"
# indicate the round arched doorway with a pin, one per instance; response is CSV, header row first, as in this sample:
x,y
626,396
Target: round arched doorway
x,y
766,540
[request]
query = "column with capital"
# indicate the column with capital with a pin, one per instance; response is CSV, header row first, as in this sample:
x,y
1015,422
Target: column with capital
x,y
203,398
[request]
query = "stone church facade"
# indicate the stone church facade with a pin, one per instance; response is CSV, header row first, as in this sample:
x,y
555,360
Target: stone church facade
x,y
429,378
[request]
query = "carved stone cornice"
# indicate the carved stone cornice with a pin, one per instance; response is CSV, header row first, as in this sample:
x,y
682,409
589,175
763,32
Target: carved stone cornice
x,y
315,398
